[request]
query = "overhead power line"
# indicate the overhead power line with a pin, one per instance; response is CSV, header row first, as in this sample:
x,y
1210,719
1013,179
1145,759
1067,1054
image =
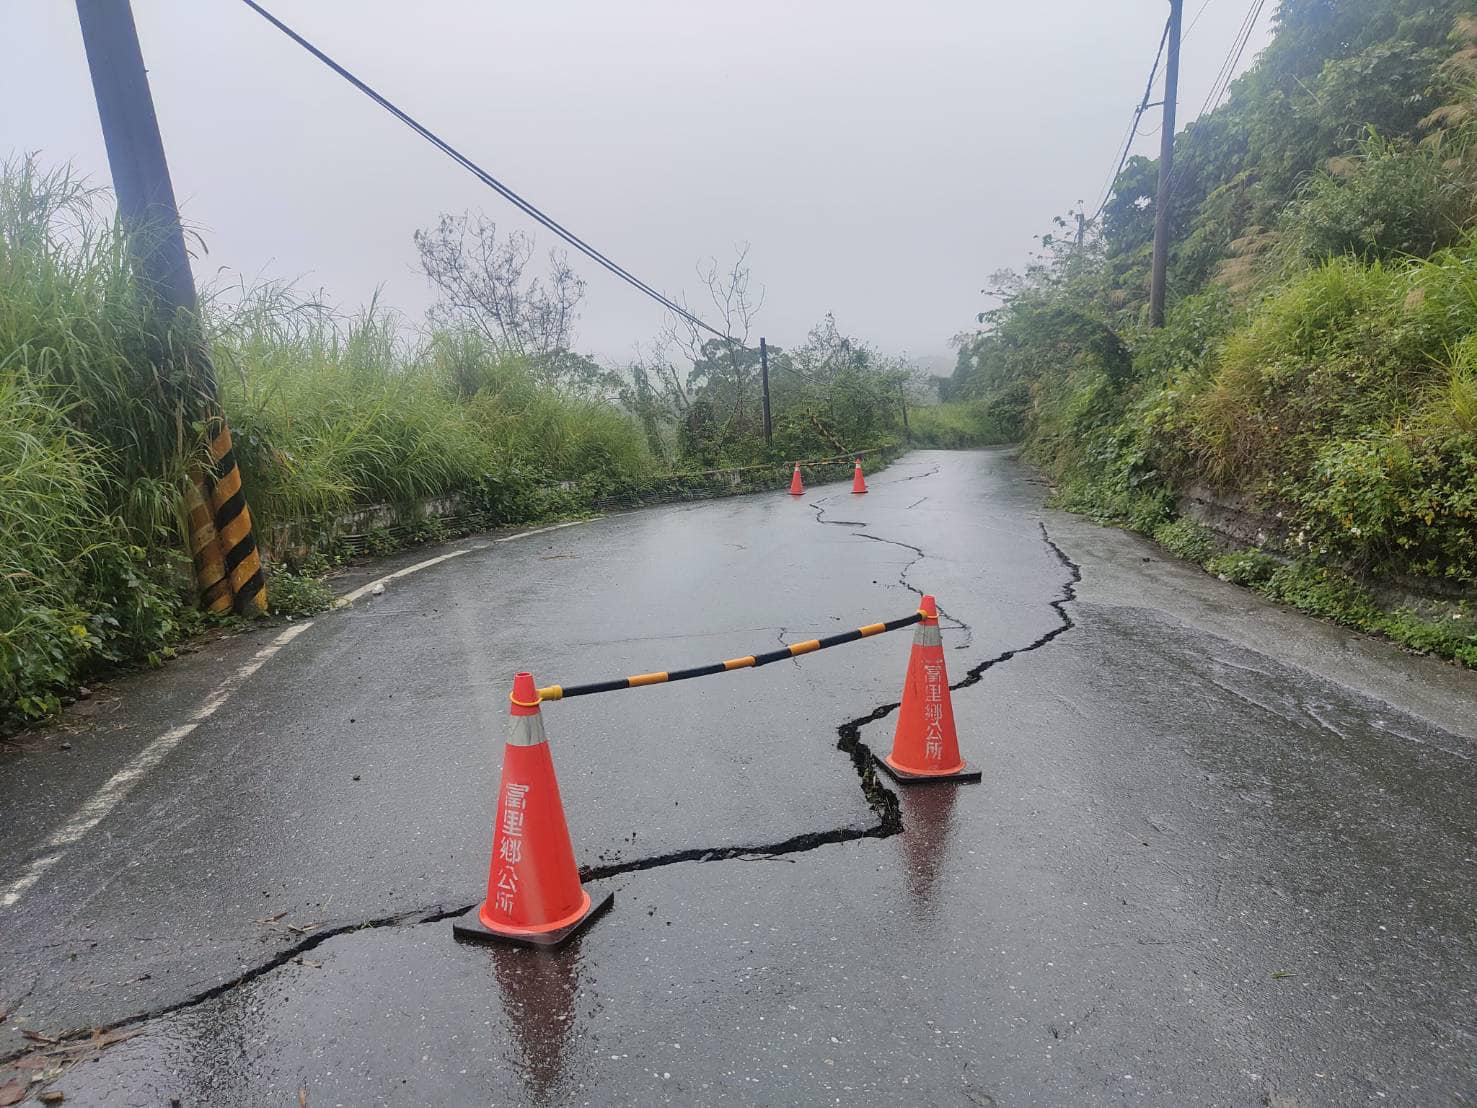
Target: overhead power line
x,y
1196,20
487,178
1133,127
1233,57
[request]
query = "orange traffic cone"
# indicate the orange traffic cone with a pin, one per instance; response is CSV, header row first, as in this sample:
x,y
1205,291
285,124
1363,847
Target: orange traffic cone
x,y
797,486
858,482
925,746
534,894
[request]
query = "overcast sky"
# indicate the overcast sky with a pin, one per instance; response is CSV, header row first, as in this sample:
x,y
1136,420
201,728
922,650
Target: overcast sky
x,y
880,159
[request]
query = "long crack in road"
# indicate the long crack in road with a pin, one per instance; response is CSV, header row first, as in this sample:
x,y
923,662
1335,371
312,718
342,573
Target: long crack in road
x,y
849,741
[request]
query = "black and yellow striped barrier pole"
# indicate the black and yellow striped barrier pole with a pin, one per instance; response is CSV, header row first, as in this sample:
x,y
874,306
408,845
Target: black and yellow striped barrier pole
x,y
232,519
748,661
205,545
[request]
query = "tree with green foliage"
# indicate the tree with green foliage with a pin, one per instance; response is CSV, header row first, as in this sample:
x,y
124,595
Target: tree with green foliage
x,y
1317,359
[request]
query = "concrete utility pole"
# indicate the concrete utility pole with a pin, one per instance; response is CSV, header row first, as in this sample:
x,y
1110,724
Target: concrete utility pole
x,y
228,567
764,378
141,181
1166,168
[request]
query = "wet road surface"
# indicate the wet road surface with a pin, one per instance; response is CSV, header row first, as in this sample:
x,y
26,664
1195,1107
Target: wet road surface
x,y
1222,854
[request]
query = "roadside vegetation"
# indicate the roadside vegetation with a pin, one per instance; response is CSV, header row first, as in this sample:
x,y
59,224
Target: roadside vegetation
x,y
957,426
481,416
1318,368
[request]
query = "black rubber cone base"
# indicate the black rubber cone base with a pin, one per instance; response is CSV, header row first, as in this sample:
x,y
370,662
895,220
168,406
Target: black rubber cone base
x,y
970,774
471,927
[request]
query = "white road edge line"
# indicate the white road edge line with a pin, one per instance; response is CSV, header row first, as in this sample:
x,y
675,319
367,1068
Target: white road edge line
x,y
364,590
121,783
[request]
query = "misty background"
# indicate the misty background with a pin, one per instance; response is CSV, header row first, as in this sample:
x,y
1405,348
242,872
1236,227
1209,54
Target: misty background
x,y
880,162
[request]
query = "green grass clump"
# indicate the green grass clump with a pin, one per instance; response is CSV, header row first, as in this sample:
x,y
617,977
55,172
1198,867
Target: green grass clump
x,y
73,320
298,594
1349,401
1453,637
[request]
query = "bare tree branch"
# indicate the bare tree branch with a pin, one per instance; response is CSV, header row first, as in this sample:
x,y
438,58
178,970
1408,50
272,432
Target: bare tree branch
x,y
483,284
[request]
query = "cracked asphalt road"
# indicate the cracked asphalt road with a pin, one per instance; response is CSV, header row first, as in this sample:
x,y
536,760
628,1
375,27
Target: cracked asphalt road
x,y
1222,854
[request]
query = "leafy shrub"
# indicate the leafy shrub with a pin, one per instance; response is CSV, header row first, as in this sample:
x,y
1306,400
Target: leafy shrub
x,y
1323,591
1244,567
1452,637
1334,595
1184,538
1189,340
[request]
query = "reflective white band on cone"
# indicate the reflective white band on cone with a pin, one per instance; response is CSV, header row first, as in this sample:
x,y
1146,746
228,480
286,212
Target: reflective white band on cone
x,y
526,730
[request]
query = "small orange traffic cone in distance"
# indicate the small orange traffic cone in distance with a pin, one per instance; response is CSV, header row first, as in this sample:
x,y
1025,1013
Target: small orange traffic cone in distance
x,y
858,482
797,486
534,894
925,746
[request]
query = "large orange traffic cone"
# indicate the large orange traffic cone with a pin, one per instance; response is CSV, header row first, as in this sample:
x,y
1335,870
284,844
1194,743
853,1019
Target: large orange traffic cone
x,y
858,482
797,486
534,894
925,746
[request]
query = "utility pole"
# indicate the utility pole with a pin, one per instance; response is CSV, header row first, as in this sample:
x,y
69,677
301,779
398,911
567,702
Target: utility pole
x,y
1166,168
902,395
764,378
228,567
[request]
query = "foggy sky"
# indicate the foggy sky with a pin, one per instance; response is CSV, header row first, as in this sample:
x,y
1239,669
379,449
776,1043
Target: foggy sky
x,y
880,159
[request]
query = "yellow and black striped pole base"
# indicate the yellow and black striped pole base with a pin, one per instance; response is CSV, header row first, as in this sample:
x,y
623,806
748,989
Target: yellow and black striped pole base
x,y
239,555
205,547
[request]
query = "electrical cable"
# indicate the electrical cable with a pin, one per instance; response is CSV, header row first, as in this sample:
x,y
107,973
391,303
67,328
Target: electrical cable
x,y
1233,57
1240,50
1138,114
1194,21
487,178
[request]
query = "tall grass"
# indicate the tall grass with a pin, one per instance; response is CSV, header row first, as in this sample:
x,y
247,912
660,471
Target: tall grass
x,y
1451,405
71,316
328,414
74,592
